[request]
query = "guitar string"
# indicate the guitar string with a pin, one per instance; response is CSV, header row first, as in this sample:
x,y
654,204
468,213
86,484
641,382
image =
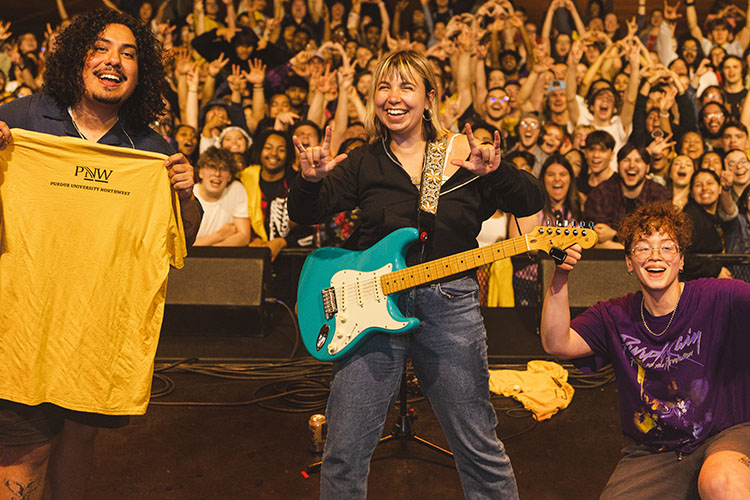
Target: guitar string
x,y
453,261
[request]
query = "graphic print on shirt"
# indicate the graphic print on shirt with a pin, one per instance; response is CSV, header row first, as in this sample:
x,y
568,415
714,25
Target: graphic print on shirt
x,y
278,219
683,348
679,403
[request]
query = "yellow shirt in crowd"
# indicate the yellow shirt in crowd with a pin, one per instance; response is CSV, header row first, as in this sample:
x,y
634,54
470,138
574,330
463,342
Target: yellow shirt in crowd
x,y
88,234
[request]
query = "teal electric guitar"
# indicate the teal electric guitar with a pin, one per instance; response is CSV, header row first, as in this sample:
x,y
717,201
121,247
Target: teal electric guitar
x,y
345,296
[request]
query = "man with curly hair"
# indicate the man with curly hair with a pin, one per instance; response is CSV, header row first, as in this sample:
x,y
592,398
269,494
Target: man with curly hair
x,y
103,84
679,352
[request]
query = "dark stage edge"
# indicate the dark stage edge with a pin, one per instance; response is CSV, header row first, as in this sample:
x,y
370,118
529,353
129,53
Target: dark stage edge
x,y
249,452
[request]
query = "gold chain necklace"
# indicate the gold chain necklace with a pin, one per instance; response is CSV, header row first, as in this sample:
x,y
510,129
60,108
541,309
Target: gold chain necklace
x,y
643,317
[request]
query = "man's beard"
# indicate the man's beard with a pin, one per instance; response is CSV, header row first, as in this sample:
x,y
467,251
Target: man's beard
x,y
707,134
105,99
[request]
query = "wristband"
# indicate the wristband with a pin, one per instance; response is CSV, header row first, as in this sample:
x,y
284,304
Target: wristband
x,y
726,188
664,114
690,3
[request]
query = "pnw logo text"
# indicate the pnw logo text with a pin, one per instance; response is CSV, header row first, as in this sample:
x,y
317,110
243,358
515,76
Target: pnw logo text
x,y
93,174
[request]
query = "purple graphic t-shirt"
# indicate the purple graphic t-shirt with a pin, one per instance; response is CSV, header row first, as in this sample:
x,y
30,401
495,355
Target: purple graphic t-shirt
x,y
687,384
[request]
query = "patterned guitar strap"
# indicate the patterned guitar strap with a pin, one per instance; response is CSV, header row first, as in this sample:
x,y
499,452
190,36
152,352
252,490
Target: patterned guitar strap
x,y
429,191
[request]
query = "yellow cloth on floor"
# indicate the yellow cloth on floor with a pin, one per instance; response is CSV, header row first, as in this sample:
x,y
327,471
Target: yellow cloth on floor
x,y
500,289
542,388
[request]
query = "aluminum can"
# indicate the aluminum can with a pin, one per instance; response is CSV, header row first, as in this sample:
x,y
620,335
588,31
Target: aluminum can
x,y
318,429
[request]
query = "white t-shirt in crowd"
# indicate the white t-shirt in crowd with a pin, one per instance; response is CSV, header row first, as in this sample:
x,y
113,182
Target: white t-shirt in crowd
x,y
233,203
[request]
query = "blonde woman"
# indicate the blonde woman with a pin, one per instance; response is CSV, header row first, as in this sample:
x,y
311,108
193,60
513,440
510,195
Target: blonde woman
x,y
448,350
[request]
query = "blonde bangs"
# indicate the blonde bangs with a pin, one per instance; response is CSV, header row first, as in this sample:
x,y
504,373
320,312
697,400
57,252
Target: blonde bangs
x,y
410,66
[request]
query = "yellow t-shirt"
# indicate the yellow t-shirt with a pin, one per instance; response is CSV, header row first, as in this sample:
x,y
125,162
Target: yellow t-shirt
x,y
88,234
250,178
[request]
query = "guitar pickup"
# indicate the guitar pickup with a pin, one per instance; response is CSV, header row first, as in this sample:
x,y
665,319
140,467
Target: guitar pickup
x,y
330,308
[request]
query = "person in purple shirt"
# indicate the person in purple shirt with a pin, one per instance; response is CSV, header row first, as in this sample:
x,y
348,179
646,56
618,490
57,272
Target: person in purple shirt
x,y
679,352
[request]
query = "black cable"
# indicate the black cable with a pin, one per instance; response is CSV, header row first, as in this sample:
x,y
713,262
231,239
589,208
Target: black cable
x,y
302,385
300,393
579,380
297,334
166,390
520,433
175,364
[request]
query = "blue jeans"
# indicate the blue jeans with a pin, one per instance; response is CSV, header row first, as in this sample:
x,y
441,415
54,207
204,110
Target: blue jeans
x,y
449,353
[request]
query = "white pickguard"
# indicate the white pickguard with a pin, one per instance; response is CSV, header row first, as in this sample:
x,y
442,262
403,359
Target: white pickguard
x,y
361,305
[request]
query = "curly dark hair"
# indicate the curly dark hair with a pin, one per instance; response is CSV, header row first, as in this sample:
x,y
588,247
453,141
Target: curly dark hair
x,y
259,142
64,68
654,217
214,157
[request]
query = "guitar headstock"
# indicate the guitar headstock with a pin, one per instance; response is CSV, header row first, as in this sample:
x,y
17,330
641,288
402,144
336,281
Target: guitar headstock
x,y
563,235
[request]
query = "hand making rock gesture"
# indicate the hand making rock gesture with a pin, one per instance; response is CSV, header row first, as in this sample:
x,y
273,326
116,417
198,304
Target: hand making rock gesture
x,y
484,158
316,162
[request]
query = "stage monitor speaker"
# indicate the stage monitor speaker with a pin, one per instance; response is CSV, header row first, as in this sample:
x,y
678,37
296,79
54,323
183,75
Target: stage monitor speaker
x,y
600,275
220,290
221,276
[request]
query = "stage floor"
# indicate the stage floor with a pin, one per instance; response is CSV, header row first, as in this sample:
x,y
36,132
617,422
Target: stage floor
x,y
238,451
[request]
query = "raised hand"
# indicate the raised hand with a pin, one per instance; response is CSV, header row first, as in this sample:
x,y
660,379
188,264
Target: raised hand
x,y
300,63
326,82
193,78
315,162
576,52
235,80
227,33
484,158
182,61
632,27
703,67
217,64
671,13
726,180
257,73
660,146
5,32
284,119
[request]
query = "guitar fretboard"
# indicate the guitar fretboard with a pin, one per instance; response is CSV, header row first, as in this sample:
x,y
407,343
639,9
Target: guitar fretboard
x,y
420,274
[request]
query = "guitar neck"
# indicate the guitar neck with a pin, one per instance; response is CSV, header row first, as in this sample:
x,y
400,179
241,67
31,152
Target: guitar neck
x,y
420,274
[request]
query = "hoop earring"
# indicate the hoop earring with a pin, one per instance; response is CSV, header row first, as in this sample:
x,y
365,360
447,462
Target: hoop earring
x,y
427,115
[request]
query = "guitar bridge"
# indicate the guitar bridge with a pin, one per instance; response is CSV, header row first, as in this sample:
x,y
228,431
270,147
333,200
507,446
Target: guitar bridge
x,y
329,302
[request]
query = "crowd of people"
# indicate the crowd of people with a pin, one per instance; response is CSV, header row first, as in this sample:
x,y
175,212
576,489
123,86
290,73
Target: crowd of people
x,y
306,107
608,115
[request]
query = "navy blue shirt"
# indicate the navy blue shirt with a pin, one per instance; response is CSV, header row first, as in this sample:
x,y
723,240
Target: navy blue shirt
x,y
42,113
